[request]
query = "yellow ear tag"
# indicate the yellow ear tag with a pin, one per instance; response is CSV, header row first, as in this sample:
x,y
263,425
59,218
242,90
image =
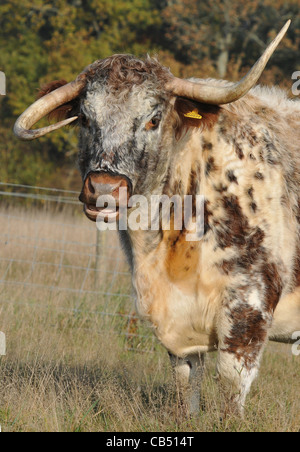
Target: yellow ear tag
x,y
193,114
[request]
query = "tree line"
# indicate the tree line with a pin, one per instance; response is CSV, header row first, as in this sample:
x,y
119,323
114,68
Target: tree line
x,y
41,41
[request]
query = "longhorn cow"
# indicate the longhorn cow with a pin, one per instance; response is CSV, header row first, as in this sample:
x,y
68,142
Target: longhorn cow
x,y
146,131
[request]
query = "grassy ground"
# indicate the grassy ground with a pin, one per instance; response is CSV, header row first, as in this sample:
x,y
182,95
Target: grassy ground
x,y
69,364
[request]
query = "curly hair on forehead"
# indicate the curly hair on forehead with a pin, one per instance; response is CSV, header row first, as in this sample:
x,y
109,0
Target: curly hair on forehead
x,y
124,71
120,71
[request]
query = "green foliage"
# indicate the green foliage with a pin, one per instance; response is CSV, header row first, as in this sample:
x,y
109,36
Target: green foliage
x,y
42,41
56,39
231,32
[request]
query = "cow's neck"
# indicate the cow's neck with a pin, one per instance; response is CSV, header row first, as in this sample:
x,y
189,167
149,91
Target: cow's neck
x,y
181,179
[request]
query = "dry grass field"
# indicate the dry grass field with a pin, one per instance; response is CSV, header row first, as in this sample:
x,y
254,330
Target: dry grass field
x,y
76,358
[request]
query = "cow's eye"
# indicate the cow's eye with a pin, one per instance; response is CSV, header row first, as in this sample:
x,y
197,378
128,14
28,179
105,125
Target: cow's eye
x,y
154,122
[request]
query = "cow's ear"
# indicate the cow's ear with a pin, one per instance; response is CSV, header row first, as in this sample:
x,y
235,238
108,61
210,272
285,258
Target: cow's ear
x,y
194,114
63,111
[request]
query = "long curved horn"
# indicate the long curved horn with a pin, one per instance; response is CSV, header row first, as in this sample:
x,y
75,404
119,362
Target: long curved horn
x,y
43,107
217,95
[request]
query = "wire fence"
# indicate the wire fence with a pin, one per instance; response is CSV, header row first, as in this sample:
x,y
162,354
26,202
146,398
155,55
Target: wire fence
x,y
53,259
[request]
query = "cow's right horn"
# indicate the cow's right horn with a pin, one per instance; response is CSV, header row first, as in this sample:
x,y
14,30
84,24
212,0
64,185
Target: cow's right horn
x,y
43,107
218,95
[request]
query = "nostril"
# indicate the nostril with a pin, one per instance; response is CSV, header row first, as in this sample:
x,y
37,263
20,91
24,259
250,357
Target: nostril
x,y
91,186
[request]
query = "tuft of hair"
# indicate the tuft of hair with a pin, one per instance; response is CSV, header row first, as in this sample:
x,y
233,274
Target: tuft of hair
x,y
183,106
122,71
63,111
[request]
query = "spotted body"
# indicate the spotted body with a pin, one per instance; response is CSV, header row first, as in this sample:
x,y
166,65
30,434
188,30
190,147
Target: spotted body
x,y
222,293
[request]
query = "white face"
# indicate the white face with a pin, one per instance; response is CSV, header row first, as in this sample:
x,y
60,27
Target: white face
x,y
122,132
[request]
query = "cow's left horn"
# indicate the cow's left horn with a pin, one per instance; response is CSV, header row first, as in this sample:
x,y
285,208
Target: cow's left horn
x,y
218,95
43,107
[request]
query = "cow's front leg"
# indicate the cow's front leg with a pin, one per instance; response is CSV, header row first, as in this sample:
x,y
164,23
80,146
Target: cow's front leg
x,y
188,376
242,331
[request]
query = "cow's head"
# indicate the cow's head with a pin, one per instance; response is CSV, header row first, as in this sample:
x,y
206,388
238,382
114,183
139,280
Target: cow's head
x,y
130,113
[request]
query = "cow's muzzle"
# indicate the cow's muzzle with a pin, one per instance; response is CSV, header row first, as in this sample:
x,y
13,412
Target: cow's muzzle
x,y
104,194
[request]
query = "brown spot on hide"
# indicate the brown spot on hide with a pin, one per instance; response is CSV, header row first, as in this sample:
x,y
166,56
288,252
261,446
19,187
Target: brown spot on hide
x,y
220,188
247,334
234,227
231,177
297,268
298,213
228,266
297,273
261,155
206,145
207,215
252,138
259,176
181,259
250,192
239,151
178,188
273,285
194,185
210,166
252,254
